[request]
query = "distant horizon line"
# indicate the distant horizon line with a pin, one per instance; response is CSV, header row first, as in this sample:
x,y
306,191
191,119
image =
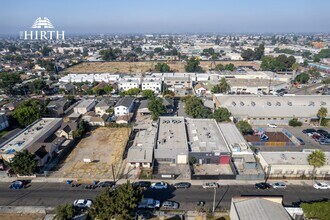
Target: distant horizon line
x,y
182,33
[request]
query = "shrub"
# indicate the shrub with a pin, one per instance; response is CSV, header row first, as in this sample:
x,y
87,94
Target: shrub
x,y
295,123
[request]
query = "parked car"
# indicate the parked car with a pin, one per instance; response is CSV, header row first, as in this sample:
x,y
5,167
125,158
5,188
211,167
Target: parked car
x,y
149,203
324,141
159,185
322,132
309,130
316,136
19,184
321,186
311,134
82,203
279,185
210,185
106,184
184,185
262,185
272,125
142,184
170,205
300,141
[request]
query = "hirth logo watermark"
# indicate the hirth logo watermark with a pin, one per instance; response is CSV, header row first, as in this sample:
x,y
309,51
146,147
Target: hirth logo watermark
x,y
43,34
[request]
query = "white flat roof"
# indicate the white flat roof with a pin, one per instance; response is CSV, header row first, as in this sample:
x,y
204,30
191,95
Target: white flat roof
x,y
205,136
289,158
30,135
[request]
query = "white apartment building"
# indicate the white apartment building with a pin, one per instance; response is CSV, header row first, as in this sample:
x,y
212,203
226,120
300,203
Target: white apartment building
x,y
125,84
154,84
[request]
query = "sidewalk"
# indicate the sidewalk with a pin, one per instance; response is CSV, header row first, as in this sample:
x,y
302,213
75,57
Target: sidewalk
x,y
193,182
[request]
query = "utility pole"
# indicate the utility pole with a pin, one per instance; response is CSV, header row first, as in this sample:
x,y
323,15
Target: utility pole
x,y
215,192
113,173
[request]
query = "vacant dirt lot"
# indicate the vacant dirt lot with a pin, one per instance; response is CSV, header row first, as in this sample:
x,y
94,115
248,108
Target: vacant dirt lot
x,y
104,147
17,216
141,67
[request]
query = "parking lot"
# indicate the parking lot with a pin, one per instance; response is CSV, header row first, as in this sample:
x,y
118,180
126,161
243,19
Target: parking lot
x,y
310,143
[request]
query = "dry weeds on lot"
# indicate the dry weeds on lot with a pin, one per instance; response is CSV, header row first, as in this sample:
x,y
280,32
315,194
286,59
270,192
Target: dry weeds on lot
x,y
104,147
142,67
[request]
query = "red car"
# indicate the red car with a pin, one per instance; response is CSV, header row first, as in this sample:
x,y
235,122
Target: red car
x,y
316,136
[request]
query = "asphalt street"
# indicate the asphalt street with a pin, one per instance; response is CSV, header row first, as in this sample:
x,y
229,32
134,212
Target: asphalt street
x,y
53,194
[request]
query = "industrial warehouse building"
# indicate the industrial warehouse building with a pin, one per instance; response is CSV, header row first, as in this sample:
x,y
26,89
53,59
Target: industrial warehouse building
x,y
292,165
263,109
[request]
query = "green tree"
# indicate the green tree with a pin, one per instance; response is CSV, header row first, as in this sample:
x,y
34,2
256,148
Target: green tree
x,y
45,51
8,81
133,91
108,89
64,212
230,67
302,78
219,67
193,66
168,93
221,115
257,54
295,123
162,68
116,204
244,127
316,159
316,210
148,93
223,85
322,113
28,111
110,54
156,107
24,163
195,108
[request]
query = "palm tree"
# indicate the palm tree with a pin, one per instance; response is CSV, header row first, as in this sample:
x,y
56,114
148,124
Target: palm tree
x,y
224,86
316,159
322,113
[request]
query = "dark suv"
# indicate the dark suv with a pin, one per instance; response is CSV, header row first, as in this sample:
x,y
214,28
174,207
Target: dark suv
x,y
106,184
262,185
142,184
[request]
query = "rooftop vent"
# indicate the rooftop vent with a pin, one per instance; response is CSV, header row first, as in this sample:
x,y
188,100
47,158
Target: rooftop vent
x,y
253,103
289,103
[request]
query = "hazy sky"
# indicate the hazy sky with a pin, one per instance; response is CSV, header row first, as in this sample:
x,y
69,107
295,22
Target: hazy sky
x,y
169,16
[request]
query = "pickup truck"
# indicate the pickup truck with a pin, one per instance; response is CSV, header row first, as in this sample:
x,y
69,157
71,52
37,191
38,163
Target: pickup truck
x,y
149,203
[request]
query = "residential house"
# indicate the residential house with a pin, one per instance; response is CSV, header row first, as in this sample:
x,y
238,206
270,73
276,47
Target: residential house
x,y
124,106
56,108
102,107
200,89
67,129
143,107
84,106
169,104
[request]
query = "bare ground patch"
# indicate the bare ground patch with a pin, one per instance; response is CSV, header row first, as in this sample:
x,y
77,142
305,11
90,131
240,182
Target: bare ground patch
x,y
104,147
141,67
